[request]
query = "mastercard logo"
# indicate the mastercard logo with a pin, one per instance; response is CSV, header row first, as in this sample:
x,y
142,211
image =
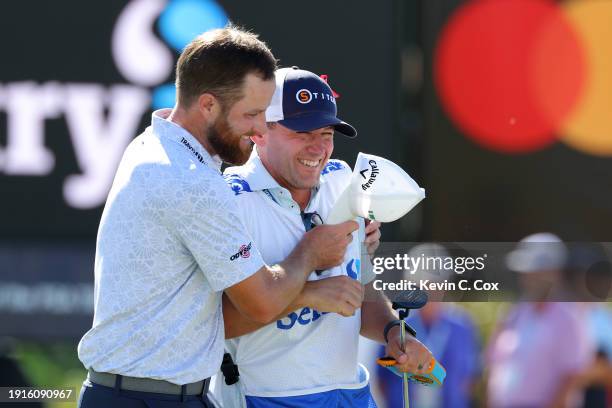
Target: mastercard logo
x,y
519,75
303,96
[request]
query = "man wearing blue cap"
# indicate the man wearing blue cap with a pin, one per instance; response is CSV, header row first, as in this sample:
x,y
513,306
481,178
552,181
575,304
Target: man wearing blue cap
x,y
308,356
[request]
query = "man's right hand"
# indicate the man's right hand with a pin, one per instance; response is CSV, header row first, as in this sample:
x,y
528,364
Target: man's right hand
x,y
338,294
325,245
266,293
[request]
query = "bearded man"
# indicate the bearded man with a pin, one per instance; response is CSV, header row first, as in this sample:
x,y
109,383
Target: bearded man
x,y
171,240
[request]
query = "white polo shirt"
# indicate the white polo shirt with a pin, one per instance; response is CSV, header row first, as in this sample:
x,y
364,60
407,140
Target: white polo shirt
x,y
307,351
170,241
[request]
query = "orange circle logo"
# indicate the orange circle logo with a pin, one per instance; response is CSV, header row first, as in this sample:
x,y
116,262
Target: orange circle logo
x,y
303,96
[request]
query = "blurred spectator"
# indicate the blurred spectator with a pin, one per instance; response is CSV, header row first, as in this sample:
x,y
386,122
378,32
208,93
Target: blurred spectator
x,y
589,273
596,380
539,350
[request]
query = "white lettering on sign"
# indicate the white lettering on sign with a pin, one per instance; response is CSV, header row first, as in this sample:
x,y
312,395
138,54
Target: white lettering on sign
x,y
99,142
27,105
101,122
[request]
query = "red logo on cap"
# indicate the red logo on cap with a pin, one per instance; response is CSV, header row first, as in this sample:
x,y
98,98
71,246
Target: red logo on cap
x,y
334,93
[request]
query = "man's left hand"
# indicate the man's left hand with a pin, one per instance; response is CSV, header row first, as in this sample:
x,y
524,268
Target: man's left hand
x,y
415,359
372,239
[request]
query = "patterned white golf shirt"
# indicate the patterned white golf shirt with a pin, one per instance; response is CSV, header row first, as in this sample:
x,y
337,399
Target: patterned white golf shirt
x,y
170,240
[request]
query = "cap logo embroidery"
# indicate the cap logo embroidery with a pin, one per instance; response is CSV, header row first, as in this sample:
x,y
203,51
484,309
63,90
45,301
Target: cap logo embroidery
x,y
303,96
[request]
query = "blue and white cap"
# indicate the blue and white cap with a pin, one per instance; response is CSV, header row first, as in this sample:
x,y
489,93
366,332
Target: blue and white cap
x,y
303,102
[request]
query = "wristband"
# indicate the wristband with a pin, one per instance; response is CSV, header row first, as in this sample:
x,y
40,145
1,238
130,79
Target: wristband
x,y
389,326
394,323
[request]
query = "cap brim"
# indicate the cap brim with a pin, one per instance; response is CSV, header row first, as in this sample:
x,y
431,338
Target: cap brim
x,y
313,120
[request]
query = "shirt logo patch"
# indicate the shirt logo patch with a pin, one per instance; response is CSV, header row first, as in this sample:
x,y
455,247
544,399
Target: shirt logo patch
x,y
332,165
352,268
244,251
237,184
197,154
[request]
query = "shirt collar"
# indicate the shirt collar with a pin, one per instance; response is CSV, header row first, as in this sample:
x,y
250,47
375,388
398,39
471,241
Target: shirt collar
x,y
170,130
257,176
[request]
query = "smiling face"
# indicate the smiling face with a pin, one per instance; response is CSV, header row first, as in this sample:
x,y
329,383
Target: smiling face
x,y
229,135
295,159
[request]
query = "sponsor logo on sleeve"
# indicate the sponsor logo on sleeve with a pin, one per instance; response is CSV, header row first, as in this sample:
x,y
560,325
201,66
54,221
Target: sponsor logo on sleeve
x,y
244,252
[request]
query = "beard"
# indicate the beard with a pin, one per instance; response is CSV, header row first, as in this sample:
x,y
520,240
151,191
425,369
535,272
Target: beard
x,y
226,143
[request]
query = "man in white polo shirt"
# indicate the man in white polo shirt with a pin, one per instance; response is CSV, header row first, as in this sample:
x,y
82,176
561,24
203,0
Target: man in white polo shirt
x,y
308,357
171,238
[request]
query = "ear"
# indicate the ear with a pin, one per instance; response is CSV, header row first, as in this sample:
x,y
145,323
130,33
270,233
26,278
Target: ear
x,y
259,140
209,106
262,140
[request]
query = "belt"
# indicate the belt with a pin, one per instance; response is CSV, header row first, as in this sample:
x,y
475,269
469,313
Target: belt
x,y
147,384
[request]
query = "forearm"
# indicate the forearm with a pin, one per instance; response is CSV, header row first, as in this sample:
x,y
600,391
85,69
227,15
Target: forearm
x,y
286,282
269,291
376,312
237,324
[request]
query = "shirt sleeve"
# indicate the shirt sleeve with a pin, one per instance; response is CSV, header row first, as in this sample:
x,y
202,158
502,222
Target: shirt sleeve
x,y
210,227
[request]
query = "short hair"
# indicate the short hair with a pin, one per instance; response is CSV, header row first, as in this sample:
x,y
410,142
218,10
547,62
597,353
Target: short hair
x,y
217,62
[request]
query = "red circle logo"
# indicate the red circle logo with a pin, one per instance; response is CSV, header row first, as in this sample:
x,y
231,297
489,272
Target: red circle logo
x,y
245,251
510,73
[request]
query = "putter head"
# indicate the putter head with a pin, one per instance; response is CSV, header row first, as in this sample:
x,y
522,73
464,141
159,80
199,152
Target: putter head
x,y
410,299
